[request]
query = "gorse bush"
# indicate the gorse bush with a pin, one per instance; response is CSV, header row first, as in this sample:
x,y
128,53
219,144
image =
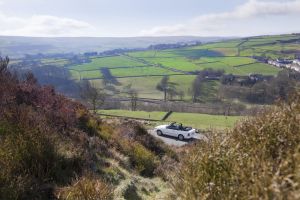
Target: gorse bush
x,y
142,159
259,159
106,133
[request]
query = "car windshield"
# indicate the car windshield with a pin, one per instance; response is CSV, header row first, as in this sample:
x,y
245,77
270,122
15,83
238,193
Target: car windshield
x,y
178,126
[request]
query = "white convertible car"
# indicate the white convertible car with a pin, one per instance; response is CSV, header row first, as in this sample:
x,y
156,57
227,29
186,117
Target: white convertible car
x,y
176,130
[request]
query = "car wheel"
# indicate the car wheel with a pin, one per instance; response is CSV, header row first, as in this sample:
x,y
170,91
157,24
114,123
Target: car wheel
x,y
180,137
159,133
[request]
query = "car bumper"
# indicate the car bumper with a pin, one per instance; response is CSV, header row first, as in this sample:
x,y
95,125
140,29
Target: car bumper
x,y
190,135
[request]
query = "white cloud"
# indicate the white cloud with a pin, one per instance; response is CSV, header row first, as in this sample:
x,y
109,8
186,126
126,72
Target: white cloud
x,y
42,25
234,22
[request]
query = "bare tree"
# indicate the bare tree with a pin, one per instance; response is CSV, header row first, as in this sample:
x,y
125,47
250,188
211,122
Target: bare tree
x,y
181,95
169,88
197,87
172,92
4,65
163,85
133,95
92,95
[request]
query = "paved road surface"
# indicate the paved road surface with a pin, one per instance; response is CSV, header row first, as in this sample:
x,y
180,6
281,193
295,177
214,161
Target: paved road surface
x,y
174,141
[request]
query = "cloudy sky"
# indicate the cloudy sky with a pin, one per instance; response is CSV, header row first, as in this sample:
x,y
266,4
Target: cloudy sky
x,y
148,17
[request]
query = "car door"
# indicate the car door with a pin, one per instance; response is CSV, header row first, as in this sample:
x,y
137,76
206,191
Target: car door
x,y
180,132
174,131
169,130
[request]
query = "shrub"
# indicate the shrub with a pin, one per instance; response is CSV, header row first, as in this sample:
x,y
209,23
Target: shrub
x,y
142,159
152,143
28,159
165,166
259,159
106,132
87,123
112,175
44,138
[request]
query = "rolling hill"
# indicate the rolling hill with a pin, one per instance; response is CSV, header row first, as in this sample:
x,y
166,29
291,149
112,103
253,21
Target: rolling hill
x,y
14,46
144,69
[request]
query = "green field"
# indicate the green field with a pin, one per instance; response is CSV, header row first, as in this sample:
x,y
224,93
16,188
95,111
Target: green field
x,y
219,58
261,68
200,121
146,86
56,62
140,71
225,55
90,74
179,63
232,56
109,62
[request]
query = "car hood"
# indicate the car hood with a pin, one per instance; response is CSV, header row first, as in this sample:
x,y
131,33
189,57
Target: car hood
x,y
192,131
161,126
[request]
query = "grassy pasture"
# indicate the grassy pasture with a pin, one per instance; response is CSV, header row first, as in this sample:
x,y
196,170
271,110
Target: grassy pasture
x,y
218,56
124,72
109,62
145,86
179,63
56,62
227,51
140,71
235,61
261,68
201,121
197,53
91,74
135,114
237,65
227,44
204,121
153,54
86,74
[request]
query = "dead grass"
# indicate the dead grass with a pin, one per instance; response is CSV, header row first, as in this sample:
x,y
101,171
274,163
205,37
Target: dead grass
x,y
87,188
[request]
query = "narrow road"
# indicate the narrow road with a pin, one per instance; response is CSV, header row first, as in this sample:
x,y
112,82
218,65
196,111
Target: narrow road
x,y
174,141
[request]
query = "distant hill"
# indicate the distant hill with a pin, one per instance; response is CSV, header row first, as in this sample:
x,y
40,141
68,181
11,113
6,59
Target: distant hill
x,y
19,46
144,69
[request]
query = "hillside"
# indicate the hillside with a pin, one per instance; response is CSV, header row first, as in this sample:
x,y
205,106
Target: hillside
x,y
258,159
231,77
233,56
14,46
238,58
52,148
